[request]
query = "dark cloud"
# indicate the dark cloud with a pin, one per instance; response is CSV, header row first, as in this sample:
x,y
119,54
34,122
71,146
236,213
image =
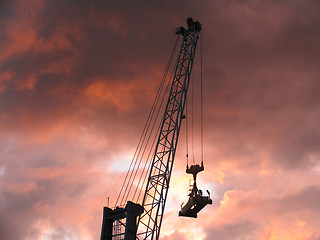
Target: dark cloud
x,y
264,89
77,79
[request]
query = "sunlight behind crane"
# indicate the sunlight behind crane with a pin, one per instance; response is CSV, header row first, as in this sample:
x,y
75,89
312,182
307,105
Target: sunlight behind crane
x,y
121,160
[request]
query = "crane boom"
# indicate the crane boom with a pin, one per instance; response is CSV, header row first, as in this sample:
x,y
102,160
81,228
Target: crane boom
x,y
156,192
150,214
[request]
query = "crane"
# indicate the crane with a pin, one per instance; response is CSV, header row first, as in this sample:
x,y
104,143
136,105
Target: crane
x,y
143,221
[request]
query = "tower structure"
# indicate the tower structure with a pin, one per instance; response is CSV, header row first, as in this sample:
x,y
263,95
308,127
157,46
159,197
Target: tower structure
x,y
144,221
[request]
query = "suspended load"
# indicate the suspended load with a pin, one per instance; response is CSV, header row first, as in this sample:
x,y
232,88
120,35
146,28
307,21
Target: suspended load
x,y
197,201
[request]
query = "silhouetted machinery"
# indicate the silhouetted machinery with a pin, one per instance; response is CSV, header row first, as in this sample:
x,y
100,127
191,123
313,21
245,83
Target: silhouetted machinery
x,y
196,200
130,220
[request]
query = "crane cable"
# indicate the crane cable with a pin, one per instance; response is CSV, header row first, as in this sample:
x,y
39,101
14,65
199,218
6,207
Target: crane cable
x,y
137,158
144,173
187,137
138,149
192,114
129,186
201,99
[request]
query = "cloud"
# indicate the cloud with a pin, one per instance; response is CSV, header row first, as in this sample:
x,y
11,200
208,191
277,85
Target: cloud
x,y
176,236
252,216
77,80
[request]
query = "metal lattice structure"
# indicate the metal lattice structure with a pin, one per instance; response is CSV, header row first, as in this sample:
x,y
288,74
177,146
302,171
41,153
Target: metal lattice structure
x,y
121,223
156,192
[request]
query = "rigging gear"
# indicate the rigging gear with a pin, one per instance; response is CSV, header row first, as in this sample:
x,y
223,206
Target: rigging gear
x,y
196,200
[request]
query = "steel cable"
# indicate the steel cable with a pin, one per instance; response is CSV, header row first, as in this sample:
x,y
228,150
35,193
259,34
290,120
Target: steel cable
x,y
133,168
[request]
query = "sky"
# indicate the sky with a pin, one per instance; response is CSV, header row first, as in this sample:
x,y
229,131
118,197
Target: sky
x,y
77,79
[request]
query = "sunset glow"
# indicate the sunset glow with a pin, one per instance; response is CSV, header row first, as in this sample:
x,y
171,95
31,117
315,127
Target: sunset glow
x,y
77,81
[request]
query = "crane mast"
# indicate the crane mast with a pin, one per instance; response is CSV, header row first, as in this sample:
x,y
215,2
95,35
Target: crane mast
x,y
156,192
144,222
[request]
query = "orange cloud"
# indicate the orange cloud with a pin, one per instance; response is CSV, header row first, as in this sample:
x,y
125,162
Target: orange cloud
x,y
294,231
75,83
123,96
4,77
20,32
22,188
23,38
